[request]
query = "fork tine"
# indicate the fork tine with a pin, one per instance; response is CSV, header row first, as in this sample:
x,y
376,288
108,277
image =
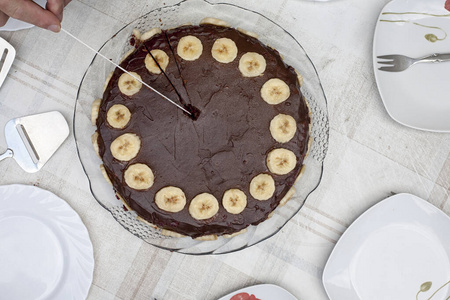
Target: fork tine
x,y
388,62
389,69
387,56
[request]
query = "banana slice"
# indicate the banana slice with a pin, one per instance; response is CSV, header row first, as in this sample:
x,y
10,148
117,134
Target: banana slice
x,y
136,33
118,116
224,50
139,176
234,201
148,34
125,147
229,236
94,111
283,128
171,199
128,85
161,57
275,91
287,197
214,21
128,53
103,170
252,64
209,237
203,206
108,78
246,32
94,139
262,187
281,161
299,78
171,233
145,221
300,174
189,48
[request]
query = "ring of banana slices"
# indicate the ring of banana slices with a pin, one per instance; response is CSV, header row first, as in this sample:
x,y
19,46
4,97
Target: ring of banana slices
x,y
145,145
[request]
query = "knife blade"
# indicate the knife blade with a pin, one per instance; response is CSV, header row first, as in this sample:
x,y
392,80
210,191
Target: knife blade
x,y
162,71
117,66
194,111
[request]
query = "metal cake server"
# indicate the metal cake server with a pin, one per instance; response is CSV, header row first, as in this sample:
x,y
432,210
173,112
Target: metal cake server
x,y
7,55
32,140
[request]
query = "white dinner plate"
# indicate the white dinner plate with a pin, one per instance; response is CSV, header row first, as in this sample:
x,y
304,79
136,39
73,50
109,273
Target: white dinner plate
x,y
260,292
419,96
14,24
397,249
45,250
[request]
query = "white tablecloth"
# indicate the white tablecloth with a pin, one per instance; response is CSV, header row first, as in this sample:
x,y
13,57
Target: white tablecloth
x,y
370,156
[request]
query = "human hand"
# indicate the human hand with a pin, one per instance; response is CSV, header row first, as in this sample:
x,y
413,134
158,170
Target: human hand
x,y
30,12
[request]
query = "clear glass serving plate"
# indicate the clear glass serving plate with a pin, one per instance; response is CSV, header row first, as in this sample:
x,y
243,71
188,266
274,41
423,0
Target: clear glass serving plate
x,y
193,11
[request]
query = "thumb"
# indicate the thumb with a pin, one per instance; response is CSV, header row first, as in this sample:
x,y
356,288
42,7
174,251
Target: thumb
x,y
31,12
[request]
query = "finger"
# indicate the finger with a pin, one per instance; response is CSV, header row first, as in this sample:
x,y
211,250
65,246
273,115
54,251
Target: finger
x,y
3,18
31,12
56,7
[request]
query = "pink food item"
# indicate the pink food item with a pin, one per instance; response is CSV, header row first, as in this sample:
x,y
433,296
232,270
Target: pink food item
x,y
244,296
447,5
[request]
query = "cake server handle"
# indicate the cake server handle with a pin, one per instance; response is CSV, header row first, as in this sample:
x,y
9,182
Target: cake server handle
x,y
8,153
117,66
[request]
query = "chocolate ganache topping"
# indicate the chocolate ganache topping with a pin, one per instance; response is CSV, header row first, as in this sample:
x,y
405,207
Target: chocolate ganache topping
x,y
225,148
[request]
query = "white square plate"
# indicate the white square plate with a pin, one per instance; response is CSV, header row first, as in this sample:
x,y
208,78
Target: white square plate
x,y
419,96
397,249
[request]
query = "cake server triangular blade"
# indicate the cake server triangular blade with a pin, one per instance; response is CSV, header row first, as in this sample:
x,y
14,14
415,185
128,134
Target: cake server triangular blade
x,y
32,140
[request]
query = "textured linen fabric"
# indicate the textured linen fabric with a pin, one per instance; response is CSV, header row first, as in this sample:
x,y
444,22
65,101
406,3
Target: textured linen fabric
x,y
370,156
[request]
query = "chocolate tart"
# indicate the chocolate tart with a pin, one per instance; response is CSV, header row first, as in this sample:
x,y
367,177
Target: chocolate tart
x,y
222,148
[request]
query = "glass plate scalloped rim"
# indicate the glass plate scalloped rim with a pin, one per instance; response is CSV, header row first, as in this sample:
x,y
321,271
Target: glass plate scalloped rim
x,y
168,17
410,220
73,263
418,96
